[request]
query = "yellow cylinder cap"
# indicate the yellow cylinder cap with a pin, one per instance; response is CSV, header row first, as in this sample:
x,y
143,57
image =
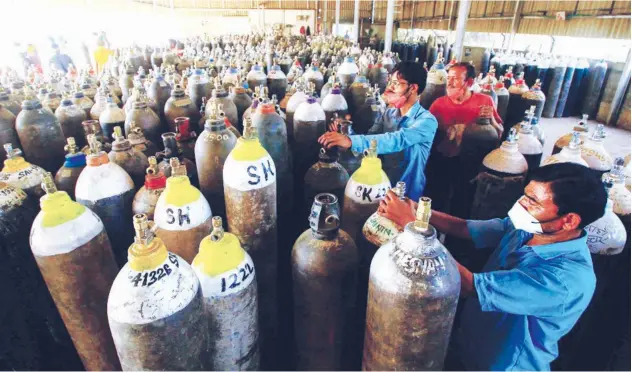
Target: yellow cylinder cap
x,y
179,191
248,147
15,162
219,252
148,251
370,171
57,207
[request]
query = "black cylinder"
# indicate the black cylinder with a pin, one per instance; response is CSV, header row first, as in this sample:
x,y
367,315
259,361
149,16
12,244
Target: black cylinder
x,y
576,92
554,90
595,86
566,86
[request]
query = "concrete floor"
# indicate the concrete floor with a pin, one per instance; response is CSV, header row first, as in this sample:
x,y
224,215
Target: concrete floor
x,y
617,141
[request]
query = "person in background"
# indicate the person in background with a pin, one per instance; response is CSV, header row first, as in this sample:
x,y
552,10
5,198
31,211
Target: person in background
x,y
302,30
32,58
308,31
537,282
60,61
409,129
101,55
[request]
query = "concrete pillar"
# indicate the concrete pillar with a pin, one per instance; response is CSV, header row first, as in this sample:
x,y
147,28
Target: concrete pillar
x,y
337,27
356,21
388,31
325,29
619,94
461,23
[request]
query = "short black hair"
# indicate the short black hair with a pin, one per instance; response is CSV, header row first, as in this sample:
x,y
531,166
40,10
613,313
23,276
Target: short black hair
x,y
576,189
413,73
469,69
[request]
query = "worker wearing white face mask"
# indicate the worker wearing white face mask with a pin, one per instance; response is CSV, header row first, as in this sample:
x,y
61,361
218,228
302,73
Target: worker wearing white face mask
x,y
539,279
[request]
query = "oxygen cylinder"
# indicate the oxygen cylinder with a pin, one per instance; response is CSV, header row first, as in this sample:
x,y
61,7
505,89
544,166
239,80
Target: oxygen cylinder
x,y
100,103
110,118
365,189
324,273
488,91
296,99
543,72
277,82
199,86
325,176
502,95
436,84
501,180
388,62
409,314
182,214
309,125
256,77
251,212
347,72
67,176
126,82
229,286
596,83
607,235
138,141
515,106
378,230
314,76
369,115
52,101
358,93
569,154
334,103
75,257
529,146
146,198
172,150
577,90
565,90
155,308
41,135
594,153
70,118
535,97
228,106
378,76
159,91
180,105
21,174
89,90
106,189
83,102
242,102
146,119
185,138
132,161
531,72
14,106
140,94
557,72
8,134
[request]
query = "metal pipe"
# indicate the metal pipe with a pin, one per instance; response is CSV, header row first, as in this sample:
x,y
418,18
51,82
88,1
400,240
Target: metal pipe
x,y
337,27
412,17
619,94
356,20
461,23
388,31
373,13
325,31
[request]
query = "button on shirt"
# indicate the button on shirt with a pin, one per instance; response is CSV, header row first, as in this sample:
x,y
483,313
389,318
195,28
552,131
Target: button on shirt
x,y
527,298
411,134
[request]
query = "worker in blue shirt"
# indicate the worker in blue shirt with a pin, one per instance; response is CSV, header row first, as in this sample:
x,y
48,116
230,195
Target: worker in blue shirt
x,y
409,130
539,279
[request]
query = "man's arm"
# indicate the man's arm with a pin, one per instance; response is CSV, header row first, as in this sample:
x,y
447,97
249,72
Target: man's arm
x,y
421,131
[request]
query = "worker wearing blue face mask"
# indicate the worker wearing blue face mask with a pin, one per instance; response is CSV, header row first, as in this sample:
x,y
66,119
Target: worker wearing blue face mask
x,y
539,279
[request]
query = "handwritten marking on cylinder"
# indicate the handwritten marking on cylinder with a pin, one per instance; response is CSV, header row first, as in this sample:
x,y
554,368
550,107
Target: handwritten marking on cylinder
x,y
228,282
178,218
249,175
366,194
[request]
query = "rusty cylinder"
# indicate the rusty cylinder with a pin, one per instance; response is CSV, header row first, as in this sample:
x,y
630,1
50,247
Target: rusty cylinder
x,y
70,118
325,176
132,161
67,176
139,143
251,212
75,257
414,288
185,138
146,119
8,134
146,198
378,230
155,308
21,174
180,105
324,273
110,118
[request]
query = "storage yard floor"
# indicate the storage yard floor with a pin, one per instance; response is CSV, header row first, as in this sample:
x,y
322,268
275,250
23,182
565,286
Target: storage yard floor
x,y
617,142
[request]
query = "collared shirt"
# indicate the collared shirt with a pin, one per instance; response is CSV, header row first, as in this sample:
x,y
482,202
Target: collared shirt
x,y
527,298
411,134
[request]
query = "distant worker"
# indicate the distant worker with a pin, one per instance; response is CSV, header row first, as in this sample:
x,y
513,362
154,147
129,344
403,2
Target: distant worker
x,y
302,30
308,31
101,55
60,61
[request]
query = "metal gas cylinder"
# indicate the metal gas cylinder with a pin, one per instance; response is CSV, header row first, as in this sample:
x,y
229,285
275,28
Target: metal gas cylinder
x,y
100,103
132,161
139,94
331,80
313,75
569,154
110,118
369,115
180,105
594,152
75,257
67,176
309,124
231,78
607,235
199,86
379,230
324,273
502,95
89,90
242,102
159,91
334,103
509,77
529,146
138,141
146,119
364,191
155,308
41,135
251,212
94,127
488,91
52,101
108,190
182,215
501,180
185,138
20,174
378,76
479,139
14,106
228,106
277,82
389,63
297,97
83,102
256,77
8,134
349,159
70,117
595,84
146,198
414,288
325,176
581,127
347,72
229,286
515,106
212,148
358,93
126,82
619,194
436,84
534,97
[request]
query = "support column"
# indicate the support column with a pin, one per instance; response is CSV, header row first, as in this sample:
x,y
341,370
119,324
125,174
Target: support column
x,y
325,30
619,94
388,31
461,23
337,27
356,21
515,23
373,12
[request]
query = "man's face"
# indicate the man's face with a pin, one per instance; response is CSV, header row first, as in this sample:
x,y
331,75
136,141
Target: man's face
x,y
458,83
538,201
397,85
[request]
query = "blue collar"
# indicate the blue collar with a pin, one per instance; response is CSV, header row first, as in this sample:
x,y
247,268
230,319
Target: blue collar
x,y
549,251
414,111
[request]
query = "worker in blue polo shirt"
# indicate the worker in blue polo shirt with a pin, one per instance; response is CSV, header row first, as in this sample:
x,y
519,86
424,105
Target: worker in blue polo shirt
x,y
539,279
408,130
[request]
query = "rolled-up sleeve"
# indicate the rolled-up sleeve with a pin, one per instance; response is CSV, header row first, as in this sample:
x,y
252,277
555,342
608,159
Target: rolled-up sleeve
x,y
524,291
488,233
